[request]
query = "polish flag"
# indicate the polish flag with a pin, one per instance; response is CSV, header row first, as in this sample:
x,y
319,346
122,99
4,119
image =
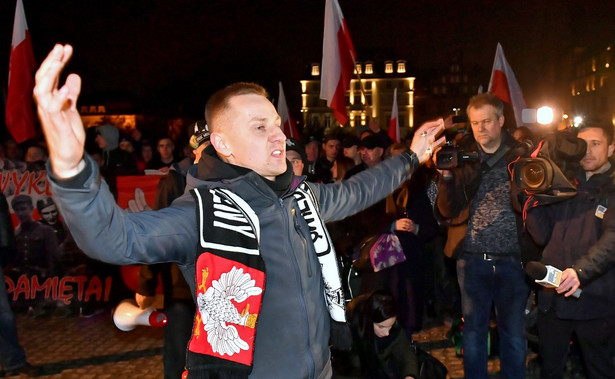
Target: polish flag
x,y
19,103
504,85
338,58
288,124
394,122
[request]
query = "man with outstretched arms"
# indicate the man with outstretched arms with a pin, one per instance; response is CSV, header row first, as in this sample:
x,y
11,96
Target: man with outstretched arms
x,y
250,238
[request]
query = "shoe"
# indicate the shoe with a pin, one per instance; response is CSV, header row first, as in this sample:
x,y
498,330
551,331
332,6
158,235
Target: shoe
x,y
26,369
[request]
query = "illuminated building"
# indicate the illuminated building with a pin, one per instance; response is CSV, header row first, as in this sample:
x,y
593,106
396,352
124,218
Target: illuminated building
x,y
371,95
592,90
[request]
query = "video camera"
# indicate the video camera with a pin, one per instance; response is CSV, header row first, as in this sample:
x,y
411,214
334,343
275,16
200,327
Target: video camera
x,y
546,174
451,156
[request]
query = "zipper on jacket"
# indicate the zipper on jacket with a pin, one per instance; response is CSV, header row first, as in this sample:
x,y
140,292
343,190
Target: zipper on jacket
x,y
312,365
303,240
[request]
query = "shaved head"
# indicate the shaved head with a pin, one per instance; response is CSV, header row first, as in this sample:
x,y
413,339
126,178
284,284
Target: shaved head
x,y
218,103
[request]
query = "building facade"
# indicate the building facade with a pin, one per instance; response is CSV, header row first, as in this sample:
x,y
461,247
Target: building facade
x,y
369,98
592,89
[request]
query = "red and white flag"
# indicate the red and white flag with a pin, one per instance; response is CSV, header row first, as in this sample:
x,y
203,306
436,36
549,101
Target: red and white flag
x,y
504,85
19,103
394,122
288,124
338,58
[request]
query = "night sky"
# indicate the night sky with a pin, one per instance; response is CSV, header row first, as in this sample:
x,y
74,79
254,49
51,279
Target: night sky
x,y
169,56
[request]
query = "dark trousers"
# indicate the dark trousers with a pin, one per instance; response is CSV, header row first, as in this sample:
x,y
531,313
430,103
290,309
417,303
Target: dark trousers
x,y
177,333
596,340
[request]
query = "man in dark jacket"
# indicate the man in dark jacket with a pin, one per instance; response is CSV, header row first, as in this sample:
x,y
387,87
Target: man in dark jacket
x,y
115,161
579,238
475,199
254,250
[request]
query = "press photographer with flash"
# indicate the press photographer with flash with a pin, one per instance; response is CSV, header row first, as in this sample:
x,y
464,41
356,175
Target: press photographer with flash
x,y
578,235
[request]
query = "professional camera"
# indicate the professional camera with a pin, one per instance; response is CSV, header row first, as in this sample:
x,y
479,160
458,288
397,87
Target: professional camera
x,y
547,174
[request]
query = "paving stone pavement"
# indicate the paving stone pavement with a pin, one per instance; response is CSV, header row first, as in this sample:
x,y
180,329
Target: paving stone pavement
x,y
79,347
84,348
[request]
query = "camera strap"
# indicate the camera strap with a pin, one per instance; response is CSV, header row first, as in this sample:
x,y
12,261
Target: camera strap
x,y
489,163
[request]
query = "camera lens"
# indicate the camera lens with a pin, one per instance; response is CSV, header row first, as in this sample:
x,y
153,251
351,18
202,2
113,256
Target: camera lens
x,y
533,175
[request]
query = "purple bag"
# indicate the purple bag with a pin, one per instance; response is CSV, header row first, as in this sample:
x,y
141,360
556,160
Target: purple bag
x,y
386,252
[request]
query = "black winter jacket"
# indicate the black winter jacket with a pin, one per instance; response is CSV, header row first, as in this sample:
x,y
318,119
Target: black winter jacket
x,y
575,234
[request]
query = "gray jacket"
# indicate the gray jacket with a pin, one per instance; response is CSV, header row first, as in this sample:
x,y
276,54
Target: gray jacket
x,y
293,327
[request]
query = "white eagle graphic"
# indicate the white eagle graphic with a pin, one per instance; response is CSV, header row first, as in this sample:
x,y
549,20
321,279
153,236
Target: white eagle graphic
x,y
219,314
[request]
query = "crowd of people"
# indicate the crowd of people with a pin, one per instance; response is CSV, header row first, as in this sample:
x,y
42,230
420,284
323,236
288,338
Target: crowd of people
x,y
264,204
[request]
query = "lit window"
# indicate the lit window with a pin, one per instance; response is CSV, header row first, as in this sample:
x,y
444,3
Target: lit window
x,y
369,68
315,70
357,68
401,67
388,67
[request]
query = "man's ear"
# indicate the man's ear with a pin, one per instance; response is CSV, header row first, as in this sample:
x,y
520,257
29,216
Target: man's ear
x,y
219,144
501,120
611,149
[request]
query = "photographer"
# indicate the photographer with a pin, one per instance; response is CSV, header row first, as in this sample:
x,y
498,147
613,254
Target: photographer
x,y
485,234
579,238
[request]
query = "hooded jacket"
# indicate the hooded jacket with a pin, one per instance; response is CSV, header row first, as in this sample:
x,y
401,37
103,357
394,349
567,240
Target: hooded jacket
x,y
293,332
115,160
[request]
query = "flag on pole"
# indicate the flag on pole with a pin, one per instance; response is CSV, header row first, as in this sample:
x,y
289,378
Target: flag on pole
x,y
504,85
288,124
394,122
338,58
19,103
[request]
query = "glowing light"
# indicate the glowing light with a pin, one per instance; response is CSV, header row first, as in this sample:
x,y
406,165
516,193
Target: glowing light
x,y
576,121
544,115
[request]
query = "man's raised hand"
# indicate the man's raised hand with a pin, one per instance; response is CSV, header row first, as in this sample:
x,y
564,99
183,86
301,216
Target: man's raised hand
x,y
424,141
57,110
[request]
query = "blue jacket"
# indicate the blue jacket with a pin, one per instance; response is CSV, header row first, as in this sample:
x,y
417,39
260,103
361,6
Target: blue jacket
x,y
293,331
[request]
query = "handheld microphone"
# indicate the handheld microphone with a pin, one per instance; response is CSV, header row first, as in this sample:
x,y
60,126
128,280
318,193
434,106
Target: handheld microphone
x,y
546,276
